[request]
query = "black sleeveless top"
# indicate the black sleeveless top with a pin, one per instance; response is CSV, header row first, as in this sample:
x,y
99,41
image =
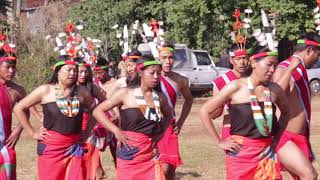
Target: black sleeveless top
x,y
55,120
242,121
133,120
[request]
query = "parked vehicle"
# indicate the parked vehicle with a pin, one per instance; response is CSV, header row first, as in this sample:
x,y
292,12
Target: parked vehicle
x,y
196,65
314,78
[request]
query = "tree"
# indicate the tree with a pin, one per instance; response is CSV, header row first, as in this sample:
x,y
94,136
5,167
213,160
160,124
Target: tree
x,y
202,24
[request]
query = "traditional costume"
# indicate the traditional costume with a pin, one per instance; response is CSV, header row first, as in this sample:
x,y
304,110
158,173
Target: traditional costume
x,y
168,146
60,154
240,39
7,155
301,83
253,125
141,125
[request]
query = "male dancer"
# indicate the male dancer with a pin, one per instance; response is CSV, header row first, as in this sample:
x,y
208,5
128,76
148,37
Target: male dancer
x,y
239,60
293,149
10,94
171,84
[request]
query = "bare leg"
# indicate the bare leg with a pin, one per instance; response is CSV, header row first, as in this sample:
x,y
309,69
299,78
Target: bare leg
x,y
100,172
169,171
295,161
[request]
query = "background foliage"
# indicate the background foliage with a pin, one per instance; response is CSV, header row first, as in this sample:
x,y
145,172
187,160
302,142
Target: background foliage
x,y
200,24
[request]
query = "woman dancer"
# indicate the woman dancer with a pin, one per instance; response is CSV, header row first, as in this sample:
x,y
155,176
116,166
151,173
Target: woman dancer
x,y
63,103
252,118
145,114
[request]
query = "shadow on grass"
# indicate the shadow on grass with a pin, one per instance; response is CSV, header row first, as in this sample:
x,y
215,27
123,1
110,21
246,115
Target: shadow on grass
x,y
181,175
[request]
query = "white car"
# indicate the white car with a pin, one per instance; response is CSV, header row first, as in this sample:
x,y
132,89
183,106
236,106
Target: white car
x,y
314,78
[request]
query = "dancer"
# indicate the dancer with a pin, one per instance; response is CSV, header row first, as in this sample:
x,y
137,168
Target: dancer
x,y
63,102
240,68
171,85
294,149
91,158
10,94
104,81
145,114
252,117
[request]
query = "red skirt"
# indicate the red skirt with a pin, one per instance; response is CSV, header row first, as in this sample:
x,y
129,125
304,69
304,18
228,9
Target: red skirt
x,y
225,132
169,148
8,163
140,164
300,140
247,163
60,157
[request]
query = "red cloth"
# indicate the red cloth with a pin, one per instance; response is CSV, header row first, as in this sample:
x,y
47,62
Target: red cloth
x,y
98,141
169,90
300,140
143,165
168,146
247,163
60,157
225,132
7,155
221,81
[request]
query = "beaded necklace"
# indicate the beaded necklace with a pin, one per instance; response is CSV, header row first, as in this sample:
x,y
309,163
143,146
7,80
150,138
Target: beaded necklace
x,y
144,108
69,107
262,121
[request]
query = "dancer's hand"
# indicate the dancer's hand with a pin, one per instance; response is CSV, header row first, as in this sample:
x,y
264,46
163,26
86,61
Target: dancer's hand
x,y
294,63
229,145
122,138
41,134
176,128
13,138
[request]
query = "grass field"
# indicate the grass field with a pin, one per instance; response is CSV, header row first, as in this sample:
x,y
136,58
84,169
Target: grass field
x,y
202,160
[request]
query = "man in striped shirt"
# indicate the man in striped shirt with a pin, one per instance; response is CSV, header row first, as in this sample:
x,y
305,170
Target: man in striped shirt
x,y
293,148
239,60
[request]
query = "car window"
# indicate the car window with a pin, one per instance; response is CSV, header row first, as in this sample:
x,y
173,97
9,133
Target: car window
x,y
317,65
180,59
203,58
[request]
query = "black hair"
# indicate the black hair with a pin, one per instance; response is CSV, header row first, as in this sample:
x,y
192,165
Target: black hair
x,y
4,54
136,81
134,52
259,49
312,36
233,47
101,61
168,44
285,49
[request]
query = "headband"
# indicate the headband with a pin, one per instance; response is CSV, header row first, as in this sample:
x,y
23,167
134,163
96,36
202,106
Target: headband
x,y
8,58
131,57
97,68
308,42
263,54
238,53
84,64
68,62
166,49
147,63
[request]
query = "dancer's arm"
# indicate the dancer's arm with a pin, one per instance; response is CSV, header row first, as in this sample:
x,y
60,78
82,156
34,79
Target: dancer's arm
x,y
187,104
22,111
212,109
99,114
283,76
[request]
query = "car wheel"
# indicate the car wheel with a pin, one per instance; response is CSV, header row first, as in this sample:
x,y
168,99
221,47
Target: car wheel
x,y
315,86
